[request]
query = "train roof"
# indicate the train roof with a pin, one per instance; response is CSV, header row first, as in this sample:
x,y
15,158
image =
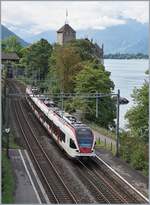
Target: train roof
x,y
70,119
73,121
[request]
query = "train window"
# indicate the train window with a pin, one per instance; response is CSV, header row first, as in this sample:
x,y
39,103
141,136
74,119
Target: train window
x,y
84,137
47,104
62,137
72,144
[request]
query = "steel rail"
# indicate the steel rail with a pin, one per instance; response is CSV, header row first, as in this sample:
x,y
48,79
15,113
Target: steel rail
x,y
93,188
115,192
50,162
100,196
37,163
115,196
54,169
139,194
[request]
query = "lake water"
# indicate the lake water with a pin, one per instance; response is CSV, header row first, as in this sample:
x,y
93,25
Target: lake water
x,y
126,74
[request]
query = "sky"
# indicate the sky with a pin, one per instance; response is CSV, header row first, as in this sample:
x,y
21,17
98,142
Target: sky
x,y
28,18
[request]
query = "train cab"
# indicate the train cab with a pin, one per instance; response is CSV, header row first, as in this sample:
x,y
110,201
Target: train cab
x,y
85,139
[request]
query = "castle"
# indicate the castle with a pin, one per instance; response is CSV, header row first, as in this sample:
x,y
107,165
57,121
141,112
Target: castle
x,y
66,33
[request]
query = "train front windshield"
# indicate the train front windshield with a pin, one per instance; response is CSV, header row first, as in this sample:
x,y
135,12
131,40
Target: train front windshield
x,y
84,137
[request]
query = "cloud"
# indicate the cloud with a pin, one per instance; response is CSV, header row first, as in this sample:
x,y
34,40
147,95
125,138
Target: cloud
x,y
30,18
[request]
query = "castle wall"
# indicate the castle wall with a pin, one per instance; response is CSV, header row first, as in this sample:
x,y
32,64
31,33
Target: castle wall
x,y
68,36
60,38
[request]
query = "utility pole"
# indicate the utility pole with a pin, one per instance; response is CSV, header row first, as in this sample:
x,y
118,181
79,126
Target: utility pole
x,y
96,105
4,104
62,103
117,123
7,131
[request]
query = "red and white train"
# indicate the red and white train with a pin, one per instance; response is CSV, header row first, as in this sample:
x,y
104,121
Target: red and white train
x,y
75,138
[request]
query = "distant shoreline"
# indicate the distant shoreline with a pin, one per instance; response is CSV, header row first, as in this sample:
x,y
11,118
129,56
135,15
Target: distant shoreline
x,y
126,56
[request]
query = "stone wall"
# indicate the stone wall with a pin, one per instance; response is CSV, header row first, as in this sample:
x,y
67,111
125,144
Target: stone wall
x,y
60,38
68,36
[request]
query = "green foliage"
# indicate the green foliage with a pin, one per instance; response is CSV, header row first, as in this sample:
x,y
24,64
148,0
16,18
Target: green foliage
x,y
8,183
66,67
138,157
138,115
85,48
11,44
106,145
147,72
134,143
35,59
134,151
93,80
62,68
75,67
126,148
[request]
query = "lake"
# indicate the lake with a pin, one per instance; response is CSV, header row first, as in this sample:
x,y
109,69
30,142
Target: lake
x,y
126,74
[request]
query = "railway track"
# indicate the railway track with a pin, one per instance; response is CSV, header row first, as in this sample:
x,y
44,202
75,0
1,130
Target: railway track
x,y
129,193
114,189
99,180
101,184
57,191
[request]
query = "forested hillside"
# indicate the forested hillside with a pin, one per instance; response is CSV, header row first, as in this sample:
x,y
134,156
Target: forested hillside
x,y
74,67
6,33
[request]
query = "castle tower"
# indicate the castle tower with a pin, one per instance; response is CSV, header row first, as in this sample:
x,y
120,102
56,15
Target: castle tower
x,y
65,33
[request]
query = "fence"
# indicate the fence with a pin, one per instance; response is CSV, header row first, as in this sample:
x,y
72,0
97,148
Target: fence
x,y
106,143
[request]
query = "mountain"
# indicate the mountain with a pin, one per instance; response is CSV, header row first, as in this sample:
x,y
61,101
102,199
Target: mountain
x,y
48,35
5,33
131,37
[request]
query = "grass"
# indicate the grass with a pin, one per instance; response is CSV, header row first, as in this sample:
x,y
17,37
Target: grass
x,y
8,183
12,141
107,146
102,131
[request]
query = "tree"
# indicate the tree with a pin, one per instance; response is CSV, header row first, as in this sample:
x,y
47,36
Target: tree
x,y
35,59
66,61
11,44
85,48
75,67
137,116
63,67
93,78
134,142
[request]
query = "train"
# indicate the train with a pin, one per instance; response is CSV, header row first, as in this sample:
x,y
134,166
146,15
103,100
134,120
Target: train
x,y
74,137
